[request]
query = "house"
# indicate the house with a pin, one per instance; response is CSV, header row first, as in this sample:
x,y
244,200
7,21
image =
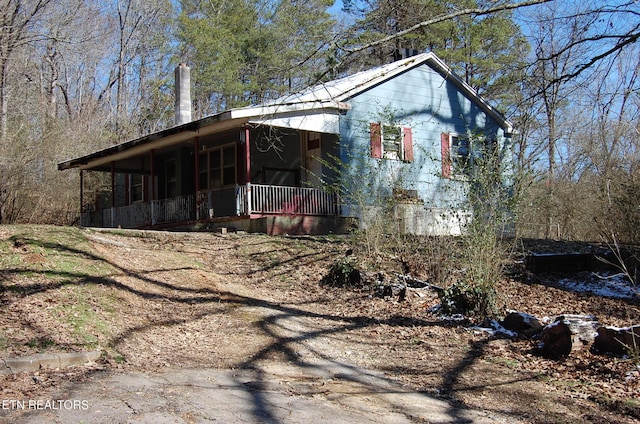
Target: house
x,y
402,129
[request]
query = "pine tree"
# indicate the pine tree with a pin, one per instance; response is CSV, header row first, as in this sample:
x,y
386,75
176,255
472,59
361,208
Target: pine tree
x,y
248,52
483,50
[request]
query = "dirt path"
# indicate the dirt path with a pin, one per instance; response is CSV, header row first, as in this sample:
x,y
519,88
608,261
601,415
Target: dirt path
x,y
309,380
210,344
295,371
307,385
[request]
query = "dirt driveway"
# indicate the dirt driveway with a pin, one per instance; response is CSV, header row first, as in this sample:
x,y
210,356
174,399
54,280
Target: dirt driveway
x,y
305,385
236,328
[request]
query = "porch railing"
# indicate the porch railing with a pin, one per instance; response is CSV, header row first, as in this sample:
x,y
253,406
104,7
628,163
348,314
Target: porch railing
x,y
131,216
249,199
268,199
176,209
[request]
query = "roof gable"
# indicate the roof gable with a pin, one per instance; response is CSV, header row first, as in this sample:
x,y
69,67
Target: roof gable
x,y
344,88
335,93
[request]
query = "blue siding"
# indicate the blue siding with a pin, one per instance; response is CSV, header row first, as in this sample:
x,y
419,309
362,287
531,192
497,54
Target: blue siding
x,y
430,105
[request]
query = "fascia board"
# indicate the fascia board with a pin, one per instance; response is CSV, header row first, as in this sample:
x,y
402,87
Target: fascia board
x,y
325,121
166,138
286,108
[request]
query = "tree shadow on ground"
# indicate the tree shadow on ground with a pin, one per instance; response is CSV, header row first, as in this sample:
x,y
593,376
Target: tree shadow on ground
x,y
296,336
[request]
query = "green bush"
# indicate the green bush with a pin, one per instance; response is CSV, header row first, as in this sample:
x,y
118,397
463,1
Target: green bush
x,y
343,273
468,299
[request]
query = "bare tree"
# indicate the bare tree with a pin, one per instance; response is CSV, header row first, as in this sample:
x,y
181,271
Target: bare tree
x,y
17,20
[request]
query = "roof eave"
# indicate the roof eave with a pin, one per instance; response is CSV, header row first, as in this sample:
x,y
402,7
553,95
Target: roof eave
x,y
285,108
160,139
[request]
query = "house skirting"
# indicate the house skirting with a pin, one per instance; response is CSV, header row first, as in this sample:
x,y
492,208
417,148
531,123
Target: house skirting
x,y
293,225
283,224
413,218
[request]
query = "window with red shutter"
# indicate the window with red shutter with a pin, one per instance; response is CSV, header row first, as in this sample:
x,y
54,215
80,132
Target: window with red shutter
x,y
391,142
456,155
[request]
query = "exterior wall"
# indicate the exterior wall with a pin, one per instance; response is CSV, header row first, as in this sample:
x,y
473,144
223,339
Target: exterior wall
x,y
430,105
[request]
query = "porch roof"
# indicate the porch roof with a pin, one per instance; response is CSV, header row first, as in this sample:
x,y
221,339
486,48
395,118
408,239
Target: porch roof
x,y
319,116
164,138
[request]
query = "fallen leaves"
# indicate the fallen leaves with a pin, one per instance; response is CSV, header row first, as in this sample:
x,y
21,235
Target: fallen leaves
x,y
206,300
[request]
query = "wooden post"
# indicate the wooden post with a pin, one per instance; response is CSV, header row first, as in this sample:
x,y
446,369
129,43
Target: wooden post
x,y
81,194
113,184
247,147
153,187
196,167
113,194
153,174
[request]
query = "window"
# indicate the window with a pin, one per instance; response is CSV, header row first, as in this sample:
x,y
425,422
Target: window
x,y
136,188
391,142
456,155
217,167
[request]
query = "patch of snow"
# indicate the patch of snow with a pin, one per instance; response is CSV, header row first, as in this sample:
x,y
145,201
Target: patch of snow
x,y
612,328
553,324
453,318
496,329
435,309
615,286
526,318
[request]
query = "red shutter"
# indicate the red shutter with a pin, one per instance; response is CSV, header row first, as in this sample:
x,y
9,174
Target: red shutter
x,y
446,155
376,140
407,144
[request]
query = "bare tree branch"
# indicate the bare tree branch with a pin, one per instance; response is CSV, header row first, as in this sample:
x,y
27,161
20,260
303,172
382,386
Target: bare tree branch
x,y
624,41
446,17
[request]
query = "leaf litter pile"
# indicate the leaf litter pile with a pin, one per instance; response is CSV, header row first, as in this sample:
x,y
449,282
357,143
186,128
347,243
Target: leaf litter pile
x,y
152,300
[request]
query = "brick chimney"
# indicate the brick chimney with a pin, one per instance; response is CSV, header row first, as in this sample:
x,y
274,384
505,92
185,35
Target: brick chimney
x,y
183,94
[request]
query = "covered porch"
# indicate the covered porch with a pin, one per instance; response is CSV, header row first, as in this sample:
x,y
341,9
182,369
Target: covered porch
x,y
252,201
208,178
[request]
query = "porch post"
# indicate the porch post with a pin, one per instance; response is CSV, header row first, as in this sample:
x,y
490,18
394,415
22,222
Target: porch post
x,y
81,194
247,148
196,167
153,175
113,194
113,184
153,187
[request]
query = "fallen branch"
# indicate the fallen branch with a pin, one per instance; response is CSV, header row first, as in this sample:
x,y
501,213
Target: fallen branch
x,y
416,283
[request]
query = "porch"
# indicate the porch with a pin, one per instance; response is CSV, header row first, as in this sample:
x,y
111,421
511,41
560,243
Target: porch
x,y
249,201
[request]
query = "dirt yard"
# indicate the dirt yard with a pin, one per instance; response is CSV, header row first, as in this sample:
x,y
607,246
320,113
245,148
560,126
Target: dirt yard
x,y
158,300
